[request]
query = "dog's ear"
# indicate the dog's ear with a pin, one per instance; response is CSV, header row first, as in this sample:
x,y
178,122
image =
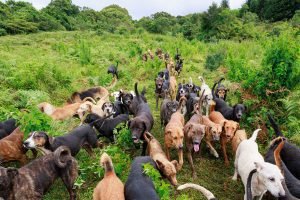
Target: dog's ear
x,y
102,107
175,163
259,166
128,123
237,126
187,128
159,165
89,107
12,172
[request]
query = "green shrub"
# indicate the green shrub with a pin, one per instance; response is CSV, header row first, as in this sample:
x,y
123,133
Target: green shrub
x,y
214,61
84,52
26,98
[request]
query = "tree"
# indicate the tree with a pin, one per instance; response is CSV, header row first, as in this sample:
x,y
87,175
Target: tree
x,y
224,4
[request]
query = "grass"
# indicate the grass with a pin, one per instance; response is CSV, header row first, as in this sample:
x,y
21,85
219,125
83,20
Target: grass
x,y
53,65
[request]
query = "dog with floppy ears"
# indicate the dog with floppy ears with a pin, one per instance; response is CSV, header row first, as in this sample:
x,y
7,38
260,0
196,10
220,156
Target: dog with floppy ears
x,y
268,176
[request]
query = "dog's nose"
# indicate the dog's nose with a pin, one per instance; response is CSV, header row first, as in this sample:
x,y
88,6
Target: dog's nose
x,y
25,144
180,146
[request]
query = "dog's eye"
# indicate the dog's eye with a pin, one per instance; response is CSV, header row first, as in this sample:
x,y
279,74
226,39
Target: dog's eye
x,y
175,138
272,179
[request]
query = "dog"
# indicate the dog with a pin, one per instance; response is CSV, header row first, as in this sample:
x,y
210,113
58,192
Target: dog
x,y
192,88
238,137
212,133
179,66
230,127
105,125
207,97
290,154
221,91
192,104
194,132
108,109
174,134
173,87
143,120
113,69
159,93
110,187
268,176
291,183
177,55
82,136
61,113
203,190
7,127
167,108
155,151
164,74
159,53
11,148
95,93
182,91
32,181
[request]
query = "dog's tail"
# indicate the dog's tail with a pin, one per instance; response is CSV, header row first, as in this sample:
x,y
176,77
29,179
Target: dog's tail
x,y
203,190
136,91
113,83
106,163
148,136
274,126
254,135
201,79
180,105
191,81
277,154
248,187
89,99
219,82
62,156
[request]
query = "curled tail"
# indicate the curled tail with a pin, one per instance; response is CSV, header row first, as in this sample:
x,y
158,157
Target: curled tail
x,y
201,79
277,154
148,136
62,155
219,82
136,91
113,83
106,163
254,135
249,189
274,126
203,190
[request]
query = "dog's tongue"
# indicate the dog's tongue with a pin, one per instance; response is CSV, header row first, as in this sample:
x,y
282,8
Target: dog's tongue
x,y
136,141
196,147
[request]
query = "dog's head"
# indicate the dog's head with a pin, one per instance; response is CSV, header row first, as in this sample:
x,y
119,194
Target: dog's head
x,y
7,176
196,132
221,91
108,108
172,106
239,110
176,137
182,90
137,127
126,98
91,118
84,108
159,82
270,176
196,89
230,127
160,74
46,108
168,169
215,131
36,139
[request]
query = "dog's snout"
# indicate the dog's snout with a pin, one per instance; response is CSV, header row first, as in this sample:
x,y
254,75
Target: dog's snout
x,y
25,143
281,194
180,146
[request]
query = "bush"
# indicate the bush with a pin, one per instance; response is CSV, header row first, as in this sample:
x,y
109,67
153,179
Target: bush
x,y
214,61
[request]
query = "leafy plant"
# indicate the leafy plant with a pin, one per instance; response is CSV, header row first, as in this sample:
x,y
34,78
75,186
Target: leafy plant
x,y
214,61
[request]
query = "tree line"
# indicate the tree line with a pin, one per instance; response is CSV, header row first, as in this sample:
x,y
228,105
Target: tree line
x,y
218,22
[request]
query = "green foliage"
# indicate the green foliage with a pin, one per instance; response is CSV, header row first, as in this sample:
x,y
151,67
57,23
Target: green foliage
x,y
214,61
84,52
162,187
26,98
123,136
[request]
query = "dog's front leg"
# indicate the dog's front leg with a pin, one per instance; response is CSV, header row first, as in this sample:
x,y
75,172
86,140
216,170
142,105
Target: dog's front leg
x,y
167,152
190,159
212,149
223,144
180,157
157,97
145,144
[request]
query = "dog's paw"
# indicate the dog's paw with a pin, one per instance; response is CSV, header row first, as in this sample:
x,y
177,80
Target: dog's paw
x,y
234,178
216,154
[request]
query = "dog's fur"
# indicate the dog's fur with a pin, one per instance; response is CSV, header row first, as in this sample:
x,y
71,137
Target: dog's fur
x,y
95,93
7,127
213,133
173,87
32,181
82,136
167,108
59,113
113,69
229,129
110,187
239,136
267,177
207,97
155,151
194,132
106,126
174,134
221,91
138,185
142,121
203,190
192,104
182,91
179,66
11,148
159,93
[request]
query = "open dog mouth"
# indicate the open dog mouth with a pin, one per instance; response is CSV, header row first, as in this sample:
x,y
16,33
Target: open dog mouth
x,y
196,146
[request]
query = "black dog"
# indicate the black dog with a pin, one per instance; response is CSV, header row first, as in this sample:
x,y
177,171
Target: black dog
x,y
234,113
167,108
290,154
142,121
164,74
32,181
221,91
192,101
106,126
82,136
182,91
179,66
138,185
7,127
159,92
177,55
113,70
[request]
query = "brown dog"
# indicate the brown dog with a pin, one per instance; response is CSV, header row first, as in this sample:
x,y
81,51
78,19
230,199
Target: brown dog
x,y
174,134
173,87
11,148
95,93
230,127
212,133
110,187
193,135
239,136
61,113
155,151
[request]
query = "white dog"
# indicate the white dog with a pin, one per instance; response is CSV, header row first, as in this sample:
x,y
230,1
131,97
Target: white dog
x,y
268,176
207,96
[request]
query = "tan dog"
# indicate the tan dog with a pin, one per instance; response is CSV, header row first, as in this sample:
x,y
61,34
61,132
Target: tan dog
x,y
174,134
230,127
110,187
212,133
11,148
173,87
239,136
155,151
193,134
61,113
95,93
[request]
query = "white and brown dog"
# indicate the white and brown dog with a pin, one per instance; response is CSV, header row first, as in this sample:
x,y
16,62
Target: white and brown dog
x,y
207,96
267,176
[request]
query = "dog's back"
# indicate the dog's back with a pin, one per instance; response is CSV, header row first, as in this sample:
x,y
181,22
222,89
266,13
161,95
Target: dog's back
x,y
138,185
7,127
